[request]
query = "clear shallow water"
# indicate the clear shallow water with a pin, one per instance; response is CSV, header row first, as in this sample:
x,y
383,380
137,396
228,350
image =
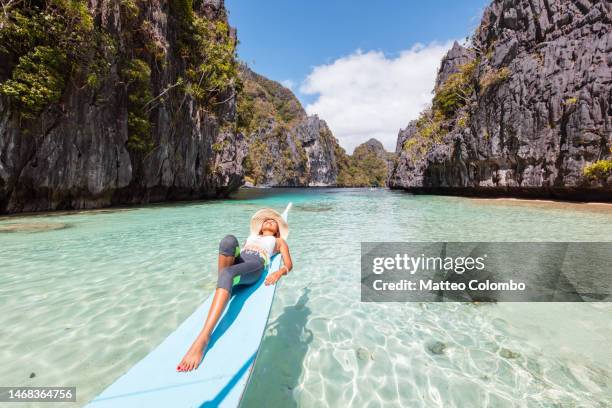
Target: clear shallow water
x,y
81,304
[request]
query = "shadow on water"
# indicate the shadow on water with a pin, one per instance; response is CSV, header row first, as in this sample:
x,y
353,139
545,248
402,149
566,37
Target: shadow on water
x,y
215,402
279,362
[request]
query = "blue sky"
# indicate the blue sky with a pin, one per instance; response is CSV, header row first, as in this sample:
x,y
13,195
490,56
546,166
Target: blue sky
x,y
312,44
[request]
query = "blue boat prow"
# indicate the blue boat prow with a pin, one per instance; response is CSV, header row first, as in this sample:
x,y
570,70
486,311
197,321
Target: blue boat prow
x,y
223,375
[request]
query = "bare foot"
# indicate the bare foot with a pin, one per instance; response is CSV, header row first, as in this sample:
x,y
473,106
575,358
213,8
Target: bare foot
x,y
192,358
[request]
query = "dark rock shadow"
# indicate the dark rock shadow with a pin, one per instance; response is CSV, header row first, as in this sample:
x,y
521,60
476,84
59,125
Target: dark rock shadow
x,y
279,363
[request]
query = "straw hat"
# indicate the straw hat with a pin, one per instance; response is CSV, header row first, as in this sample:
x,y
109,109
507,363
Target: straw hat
x,y
260,216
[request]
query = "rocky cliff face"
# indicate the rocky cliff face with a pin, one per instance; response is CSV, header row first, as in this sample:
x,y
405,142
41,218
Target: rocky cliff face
x,y
285,146
108,102
368,166
375,147
525,110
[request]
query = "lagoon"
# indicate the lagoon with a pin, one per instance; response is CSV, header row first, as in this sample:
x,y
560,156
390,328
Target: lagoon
x,y
85,295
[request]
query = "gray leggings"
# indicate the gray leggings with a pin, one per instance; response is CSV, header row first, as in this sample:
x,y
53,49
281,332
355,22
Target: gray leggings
x,y
247,268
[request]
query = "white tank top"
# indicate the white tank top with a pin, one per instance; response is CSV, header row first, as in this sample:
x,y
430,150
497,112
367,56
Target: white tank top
x,y
266,242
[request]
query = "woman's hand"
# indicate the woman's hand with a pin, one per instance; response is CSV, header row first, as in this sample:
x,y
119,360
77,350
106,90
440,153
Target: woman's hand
x,y
283,270
274,277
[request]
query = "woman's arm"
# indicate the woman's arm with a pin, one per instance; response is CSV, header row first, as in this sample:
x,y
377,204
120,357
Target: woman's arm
x,y
287,264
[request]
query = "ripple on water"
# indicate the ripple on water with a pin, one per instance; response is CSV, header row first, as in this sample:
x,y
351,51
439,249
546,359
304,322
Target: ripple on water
x,y
32,227
315,208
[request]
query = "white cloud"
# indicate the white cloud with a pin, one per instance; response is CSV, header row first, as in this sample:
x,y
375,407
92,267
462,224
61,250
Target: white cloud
x,y
287,83
367,94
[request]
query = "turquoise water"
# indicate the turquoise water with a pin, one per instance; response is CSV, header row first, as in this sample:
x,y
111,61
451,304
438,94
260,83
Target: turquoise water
x,y
81,303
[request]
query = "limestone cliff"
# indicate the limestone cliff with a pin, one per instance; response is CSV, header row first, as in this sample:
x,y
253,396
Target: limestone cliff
x,y
109,102
285,146
524,110
368,166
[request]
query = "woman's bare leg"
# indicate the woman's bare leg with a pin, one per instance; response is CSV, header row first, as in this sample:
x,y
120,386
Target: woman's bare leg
x,y
192,359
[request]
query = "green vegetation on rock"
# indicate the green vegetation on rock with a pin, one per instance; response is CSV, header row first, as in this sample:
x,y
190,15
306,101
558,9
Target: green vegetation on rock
x,y
600,170
42,47
137,76
262,100
431,127
494,77
266,114
456,91
37,80
366,167
450,107
571,101
210,52
270,152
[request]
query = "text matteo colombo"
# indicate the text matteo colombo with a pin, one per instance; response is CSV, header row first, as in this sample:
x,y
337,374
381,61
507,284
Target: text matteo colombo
x,y
458,265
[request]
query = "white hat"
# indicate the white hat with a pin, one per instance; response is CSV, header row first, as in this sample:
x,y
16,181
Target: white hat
x,y
260,216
